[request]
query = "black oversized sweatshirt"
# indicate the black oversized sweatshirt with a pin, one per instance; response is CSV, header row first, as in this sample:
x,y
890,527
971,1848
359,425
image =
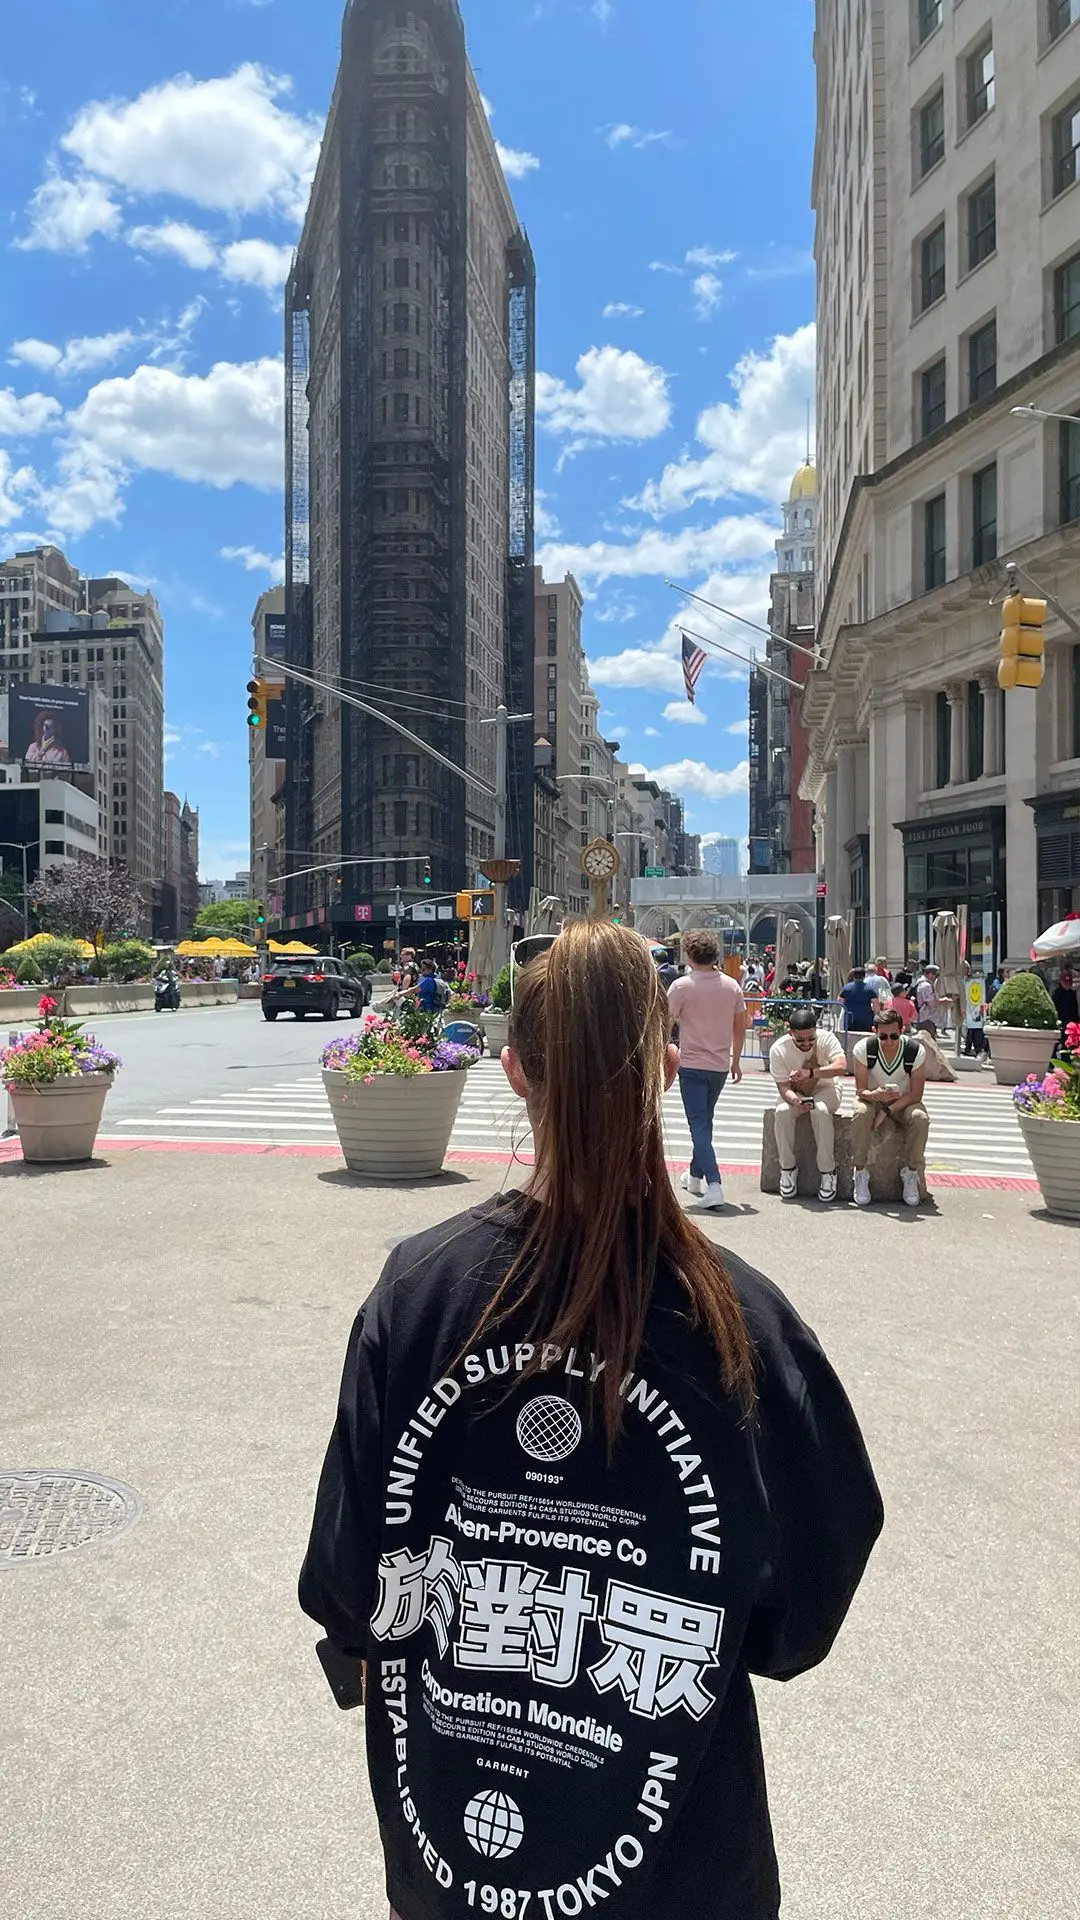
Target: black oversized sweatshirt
x,y
559,1713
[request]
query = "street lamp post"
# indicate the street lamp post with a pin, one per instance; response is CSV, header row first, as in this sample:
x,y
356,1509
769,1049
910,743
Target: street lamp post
x,y
23,847
1043,413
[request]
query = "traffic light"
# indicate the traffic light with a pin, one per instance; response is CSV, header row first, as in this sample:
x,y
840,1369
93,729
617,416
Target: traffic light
x,y
257,698
1023,642
337,886
260,918
425,872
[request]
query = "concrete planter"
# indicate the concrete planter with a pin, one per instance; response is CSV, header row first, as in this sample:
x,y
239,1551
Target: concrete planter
x,y
21,1003
58,1123
1018,1051
81,1003
393,1127
496,1031
1054,1146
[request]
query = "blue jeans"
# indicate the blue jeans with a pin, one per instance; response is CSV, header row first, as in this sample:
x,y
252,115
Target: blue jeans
x,y
701,1089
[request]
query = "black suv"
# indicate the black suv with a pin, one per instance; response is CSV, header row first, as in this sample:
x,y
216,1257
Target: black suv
x,y
303,986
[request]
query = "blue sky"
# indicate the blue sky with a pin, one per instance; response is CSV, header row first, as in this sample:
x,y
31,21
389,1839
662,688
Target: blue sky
x,y
155,164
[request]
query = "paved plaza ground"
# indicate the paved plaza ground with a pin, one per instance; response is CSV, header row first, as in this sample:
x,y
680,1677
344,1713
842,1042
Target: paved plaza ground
x,y
168,1747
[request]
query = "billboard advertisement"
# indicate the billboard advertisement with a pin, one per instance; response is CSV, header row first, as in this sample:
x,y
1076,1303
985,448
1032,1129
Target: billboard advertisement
x,y
275,724
273,636
49,726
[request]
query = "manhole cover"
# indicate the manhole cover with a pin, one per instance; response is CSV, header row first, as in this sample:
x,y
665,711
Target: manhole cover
x,y
45,1514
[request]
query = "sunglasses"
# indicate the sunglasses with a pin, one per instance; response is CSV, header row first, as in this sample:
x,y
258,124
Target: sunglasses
x,y
524,951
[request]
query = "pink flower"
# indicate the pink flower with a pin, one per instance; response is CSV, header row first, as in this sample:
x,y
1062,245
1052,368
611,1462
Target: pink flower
x,y
369,1079
47,1006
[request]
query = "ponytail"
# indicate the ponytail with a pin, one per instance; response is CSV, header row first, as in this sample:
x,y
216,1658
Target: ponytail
x,y
591,1027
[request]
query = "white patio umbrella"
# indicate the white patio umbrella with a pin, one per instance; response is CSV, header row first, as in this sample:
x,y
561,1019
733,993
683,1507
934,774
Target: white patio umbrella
x,y
947,956
789,951
1062,938
837,952
482,953
546,913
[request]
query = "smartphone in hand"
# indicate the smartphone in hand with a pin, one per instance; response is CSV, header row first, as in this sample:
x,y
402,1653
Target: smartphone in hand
x,y
345,1674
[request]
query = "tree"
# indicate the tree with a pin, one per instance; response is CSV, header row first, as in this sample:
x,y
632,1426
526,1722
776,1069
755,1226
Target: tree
x,y
88,899
230,918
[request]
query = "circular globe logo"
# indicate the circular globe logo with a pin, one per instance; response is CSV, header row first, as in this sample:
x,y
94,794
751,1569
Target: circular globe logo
x,y
493,1824
548,1429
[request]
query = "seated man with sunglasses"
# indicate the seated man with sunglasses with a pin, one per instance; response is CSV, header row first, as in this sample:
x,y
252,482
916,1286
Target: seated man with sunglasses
x,y
807,1067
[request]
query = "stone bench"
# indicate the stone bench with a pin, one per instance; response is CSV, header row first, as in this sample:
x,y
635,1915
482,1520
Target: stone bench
x,y
884,1168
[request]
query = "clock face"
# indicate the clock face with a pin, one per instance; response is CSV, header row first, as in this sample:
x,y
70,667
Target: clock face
x,y
599,861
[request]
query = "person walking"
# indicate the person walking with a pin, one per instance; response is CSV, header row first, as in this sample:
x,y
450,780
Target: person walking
x,y
807,1066
710,1012
890,1078
859,1002
588,1474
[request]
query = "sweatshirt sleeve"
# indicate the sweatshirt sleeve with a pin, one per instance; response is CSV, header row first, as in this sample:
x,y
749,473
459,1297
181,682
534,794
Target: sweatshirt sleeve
x,y
823,1499
340,1570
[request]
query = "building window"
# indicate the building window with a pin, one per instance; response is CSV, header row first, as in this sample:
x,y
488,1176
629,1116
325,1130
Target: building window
x,y
979,78
54,846
934,542
927,19
942,740
982,223
1064,145
1067,300
401,227
932,268
982,361
401,408
401,273
984,516
932,397
1060,15
54,817
401,318
1070,473
973,707
932,132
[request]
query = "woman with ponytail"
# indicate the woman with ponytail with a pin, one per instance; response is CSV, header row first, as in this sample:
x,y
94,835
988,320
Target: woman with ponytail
x,y
588,1475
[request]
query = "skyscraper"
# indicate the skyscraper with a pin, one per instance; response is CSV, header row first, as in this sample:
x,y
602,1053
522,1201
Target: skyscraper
x,y
781,821
409,512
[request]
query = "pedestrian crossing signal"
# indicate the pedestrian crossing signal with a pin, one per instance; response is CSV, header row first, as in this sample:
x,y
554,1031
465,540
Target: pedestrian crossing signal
x,y
257,698
1023,643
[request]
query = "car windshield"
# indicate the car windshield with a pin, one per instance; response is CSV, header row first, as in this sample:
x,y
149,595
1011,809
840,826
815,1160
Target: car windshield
x,y
299,966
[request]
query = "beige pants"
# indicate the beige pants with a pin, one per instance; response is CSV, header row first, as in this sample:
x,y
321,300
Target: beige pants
x,y
826,1104
913,1123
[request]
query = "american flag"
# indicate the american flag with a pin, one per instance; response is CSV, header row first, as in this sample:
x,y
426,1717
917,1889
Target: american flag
x,y
693,659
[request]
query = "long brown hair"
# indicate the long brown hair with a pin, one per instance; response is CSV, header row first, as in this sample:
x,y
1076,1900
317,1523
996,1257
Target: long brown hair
x,y
591,1025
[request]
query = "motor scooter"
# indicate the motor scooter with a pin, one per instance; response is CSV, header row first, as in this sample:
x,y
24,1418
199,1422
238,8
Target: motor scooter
x,y
166,993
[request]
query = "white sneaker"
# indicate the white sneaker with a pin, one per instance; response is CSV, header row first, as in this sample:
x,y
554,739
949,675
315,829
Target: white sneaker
x,y
862,1186
909,1180
713,1195
691,1183
827,1189
789,1183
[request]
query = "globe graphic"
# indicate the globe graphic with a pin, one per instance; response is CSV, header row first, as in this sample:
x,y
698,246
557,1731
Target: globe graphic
x,y
548,1429
493,1824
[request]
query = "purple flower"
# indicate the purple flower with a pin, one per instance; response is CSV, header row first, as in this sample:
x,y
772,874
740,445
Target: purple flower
x,y
448,1057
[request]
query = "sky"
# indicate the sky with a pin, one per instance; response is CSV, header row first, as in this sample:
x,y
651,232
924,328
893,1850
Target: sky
x,y
155,166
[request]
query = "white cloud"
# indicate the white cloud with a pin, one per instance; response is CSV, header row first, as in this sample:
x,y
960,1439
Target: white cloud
x,y
652,733
658,667
616,613
23,414
664,266
622,134
176,237
219,428
87,489
693,776
622,310
648,667
739,727
256,561
66,214
602,11
17,488
708,292
516,164
210,748
710,257
223,143
621,397
545,520
78,356
257,263
685,715
753,444
736,537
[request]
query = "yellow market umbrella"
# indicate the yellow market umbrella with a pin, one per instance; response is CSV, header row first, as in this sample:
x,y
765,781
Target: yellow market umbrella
x,y
292,946
237,950
86,950
190,949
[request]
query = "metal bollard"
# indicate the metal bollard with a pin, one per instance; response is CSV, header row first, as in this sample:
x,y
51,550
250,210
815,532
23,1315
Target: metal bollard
x,y
9,1121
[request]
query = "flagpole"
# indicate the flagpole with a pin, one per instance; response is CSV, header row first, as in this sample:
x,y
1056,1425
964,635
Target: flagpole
x,y
757,666
778,639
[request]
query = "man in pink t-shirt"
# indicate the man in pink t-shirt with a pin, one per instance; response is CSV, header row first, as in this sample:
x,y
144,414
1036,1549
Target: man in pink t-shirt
x,y
708,1008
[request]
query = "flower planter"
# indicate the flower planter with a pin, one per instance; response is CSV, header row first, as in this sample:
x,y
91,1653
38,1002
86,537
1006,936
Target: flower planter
x,y
1018,1051
496,1031
394,1126
58,1121
1054,1146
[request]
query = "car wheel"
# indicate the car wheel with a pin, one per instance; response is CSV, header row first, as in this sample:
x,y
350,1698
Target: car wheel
x,y
330,1010
301,1013
270,1013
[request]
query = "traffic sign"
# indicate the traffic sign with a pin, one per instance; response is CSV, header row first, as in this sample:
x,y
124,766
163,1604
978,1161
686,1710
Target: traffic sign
x,y
654,873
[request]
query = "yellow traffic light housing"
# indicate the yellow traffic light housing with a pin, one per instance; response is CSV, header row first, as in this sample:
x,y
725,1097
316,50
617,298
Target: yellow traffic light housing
x,y
1023,642
258,694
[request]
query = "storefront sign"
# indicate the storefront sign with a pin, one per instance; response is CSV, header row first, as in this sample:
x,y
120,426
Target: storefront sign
x,y
977,826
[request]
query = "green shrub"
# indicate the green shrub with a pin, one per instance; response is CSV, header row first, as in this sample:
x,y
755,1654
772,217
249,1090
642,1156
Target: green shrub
x,y
500,992
1022,1002
58,961
126,960
27,969
360,960
385,966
